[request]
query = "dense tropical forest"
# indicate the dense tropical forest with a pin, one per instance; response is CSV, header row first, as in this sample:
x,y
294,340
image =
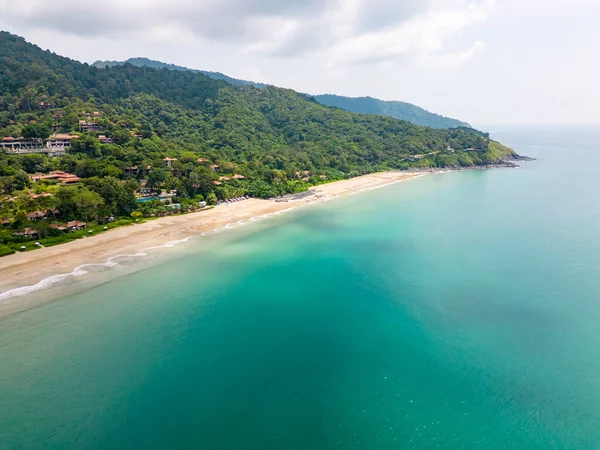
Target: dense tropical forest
x,y
363,105
398,110
88,147
145,62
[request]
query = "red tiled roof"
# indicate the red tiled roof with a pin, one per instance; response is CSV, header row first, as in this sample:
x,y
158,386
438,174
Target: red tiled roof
x,y
68,178
35,215
75,223
27,232
65,136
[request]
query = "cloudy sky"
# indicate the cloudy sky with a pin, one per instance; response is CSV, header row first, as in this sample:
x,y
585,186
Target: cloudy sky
x,y
489,62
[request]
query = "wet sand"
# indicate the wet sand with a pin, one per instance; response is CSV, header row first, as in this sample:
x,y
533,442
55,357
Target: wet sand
x,y
24,273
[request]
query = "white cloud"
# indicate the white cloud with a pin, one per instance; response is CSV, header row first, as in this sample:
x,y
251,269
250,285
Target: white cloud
x,y
420,39
531,59
344,31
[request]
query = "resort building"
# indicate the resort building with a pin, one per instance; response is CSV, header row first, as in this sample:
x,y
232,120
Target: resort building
x,y
12,144
85,127
36,215
105,140
42,195
22,146
61,177
61,141
146,191
169,161
29,233
58,227
76,225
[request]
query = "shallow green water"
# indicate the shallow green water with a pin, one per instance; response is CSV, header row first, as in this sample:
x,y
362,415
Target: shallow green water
x,y
455,311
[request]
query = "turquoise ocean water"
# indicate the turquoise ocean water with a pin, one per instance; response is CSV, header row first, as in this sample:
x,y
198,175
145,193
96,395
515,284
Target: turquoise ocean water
x,y
455,311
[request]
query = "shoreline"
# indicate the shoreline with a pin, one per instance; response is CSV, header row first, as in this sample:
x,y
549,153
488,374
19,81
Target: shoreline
x,y
22,274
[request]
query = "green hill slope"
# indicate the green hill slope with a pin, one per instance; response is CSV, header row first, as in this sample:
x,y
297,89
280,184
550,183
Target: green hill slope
x,y
145,62
363,105
395,109
142,131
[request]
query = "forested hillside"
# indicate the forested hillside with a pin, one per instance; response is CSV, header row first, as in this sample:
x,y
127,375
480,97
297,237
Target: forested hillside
x,y
138,131
398,110
362,105
145,62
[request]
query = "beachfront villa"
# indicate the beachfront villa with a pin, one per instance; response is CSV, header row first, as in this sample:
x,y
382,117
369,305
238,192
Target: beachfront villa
x,y
28,233
76,225
37,215
58,227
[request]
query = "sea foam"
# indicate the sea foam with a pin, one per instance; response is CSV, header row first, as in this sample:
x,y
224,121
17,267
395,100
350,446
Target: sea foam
x,y
112,261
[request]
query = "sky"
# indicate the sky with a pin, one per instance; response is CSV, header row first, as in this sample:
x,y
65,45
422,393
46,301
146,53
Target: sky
x,y
487,62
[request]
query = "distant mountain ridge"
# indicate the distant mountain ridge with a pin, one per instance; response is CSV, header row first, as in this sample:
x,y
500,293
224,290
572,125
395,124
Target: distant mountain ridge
x,y
145,62
365,105
396,109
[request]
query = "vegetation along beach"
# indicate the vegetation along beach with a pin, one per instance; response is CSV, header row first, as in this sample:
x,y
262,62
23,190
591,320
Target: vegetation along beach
x,y
299,225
